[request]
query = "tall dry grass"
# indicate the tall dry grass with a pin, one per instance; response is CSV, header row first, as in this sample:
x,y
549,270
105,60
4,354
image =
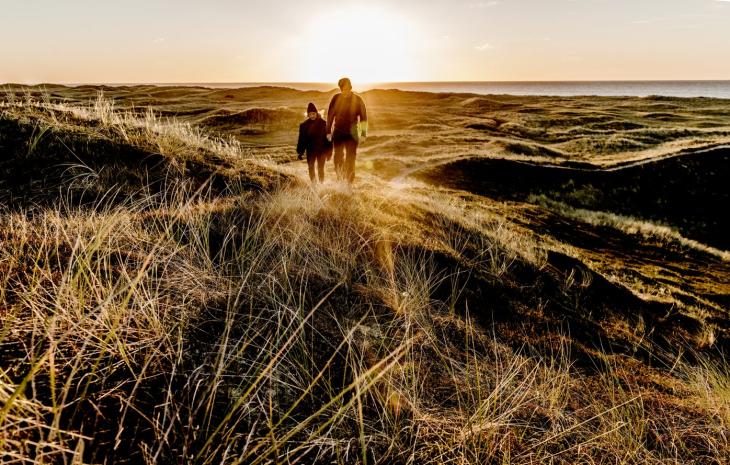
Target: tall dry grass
x,y
289,327
142,128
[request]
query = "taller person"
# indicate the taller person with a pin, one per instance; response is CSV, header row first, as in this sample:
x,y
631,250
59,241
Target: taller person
x,y
349,116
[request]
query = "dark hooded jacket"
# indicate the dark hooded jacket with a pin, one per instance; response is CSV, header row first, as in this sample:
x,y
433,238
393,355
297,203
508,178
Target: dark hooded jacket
x,y
313,137
346,111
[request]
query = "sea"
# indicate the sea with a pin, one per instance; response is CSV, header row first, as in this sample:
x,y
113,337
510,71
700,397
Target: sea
x,y
715,89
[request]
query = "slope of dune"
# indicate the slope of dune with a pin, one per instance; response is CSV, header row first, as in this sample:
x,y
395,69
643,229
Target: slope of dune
x,y
170,296
688,192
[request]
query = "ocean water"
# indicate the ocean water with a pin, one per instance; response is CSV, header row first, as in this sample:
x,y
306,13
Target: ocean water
x,y
716,89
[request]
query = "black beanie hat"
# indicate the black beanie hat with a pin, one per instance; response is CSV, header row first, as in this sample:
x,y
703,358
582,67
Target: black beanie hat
x,y
311,108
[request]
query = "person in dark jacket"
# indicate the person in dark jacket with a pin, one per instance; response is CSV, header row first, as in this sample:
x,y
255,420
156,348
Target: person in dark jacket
x,y
313,141
348,115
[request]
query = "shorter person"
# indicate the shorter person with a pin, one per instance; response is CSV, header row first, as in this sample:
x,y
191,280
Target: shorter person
x,y
313,141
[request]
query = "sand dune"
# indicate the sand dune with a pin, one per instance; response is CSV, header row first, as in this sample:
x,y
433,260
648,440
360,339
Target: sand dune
x,y
513,277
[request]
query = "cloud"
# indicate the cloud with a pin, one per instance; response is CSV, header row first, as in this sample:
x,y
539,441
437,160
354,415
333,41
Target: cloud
x,y
483,47
159,40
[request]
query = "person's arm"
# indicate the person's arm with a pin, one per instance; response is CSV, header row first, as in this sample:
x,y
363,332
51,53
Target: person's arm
x,y
322,133
301,143
324,143
363,118
331,114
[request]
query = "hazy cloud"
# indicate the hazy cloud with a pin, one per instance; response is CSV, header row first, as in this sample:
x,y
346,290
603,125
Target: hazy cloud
x,y
483,47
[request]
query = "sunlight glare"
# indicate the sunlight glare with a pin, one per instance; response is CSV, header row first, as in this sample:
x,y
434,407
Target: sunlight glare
x,y
367,43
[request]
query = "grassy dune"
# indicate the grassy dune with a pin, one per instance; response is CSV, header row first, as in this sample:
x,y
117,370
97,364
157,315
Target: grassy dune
x,y
172,291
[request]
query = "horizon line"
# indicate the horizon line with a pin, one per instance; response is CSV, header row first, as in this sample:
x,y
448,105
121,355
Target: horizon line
x,y
194,83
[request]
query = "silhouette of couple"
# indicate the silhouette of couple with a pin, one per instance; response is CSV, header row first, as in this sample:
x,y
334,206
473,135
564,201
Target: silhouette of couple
x,y
345,128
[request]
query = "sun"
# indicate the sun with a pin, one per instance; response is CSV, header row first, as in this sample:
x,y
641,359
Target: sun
x,y
369,44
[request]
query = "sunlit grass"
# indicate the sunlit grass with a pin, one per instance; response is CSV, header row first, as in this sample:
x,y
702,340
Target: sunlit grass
x,y
293,326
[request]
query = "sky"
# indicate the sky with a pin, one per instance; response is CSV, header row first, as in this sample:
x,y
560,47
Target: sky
x,y
184,41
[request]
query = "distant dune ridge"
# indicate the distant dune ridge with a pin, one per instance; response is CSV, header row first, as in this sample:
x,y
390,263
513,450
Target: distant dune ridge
x,y
514,280
706,88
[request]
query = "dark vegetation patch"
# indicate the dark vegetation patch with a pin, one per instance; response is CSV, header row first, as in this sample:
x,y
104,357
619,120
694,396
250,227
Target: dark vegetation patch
x,y
533,150
524,130
616,126
711,124
534,110
485,124
688,192
481,104
254,121
670,117
574,118
184,112
660,106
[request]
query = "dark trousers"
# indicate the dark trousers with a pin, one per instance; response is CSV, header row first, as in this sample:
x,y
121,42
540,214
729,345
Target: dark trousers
x,y
318,160
345,155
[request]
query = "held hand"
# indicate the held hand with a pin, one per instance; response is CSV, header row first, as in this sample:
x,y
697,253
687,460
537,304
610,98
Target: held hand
x,y
329,137
299,156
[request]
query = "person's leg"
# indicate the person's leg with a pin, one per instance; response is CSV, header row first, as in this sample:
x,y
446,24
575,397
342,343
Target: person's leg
x,y
339,158
320,166
311,160
350,161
